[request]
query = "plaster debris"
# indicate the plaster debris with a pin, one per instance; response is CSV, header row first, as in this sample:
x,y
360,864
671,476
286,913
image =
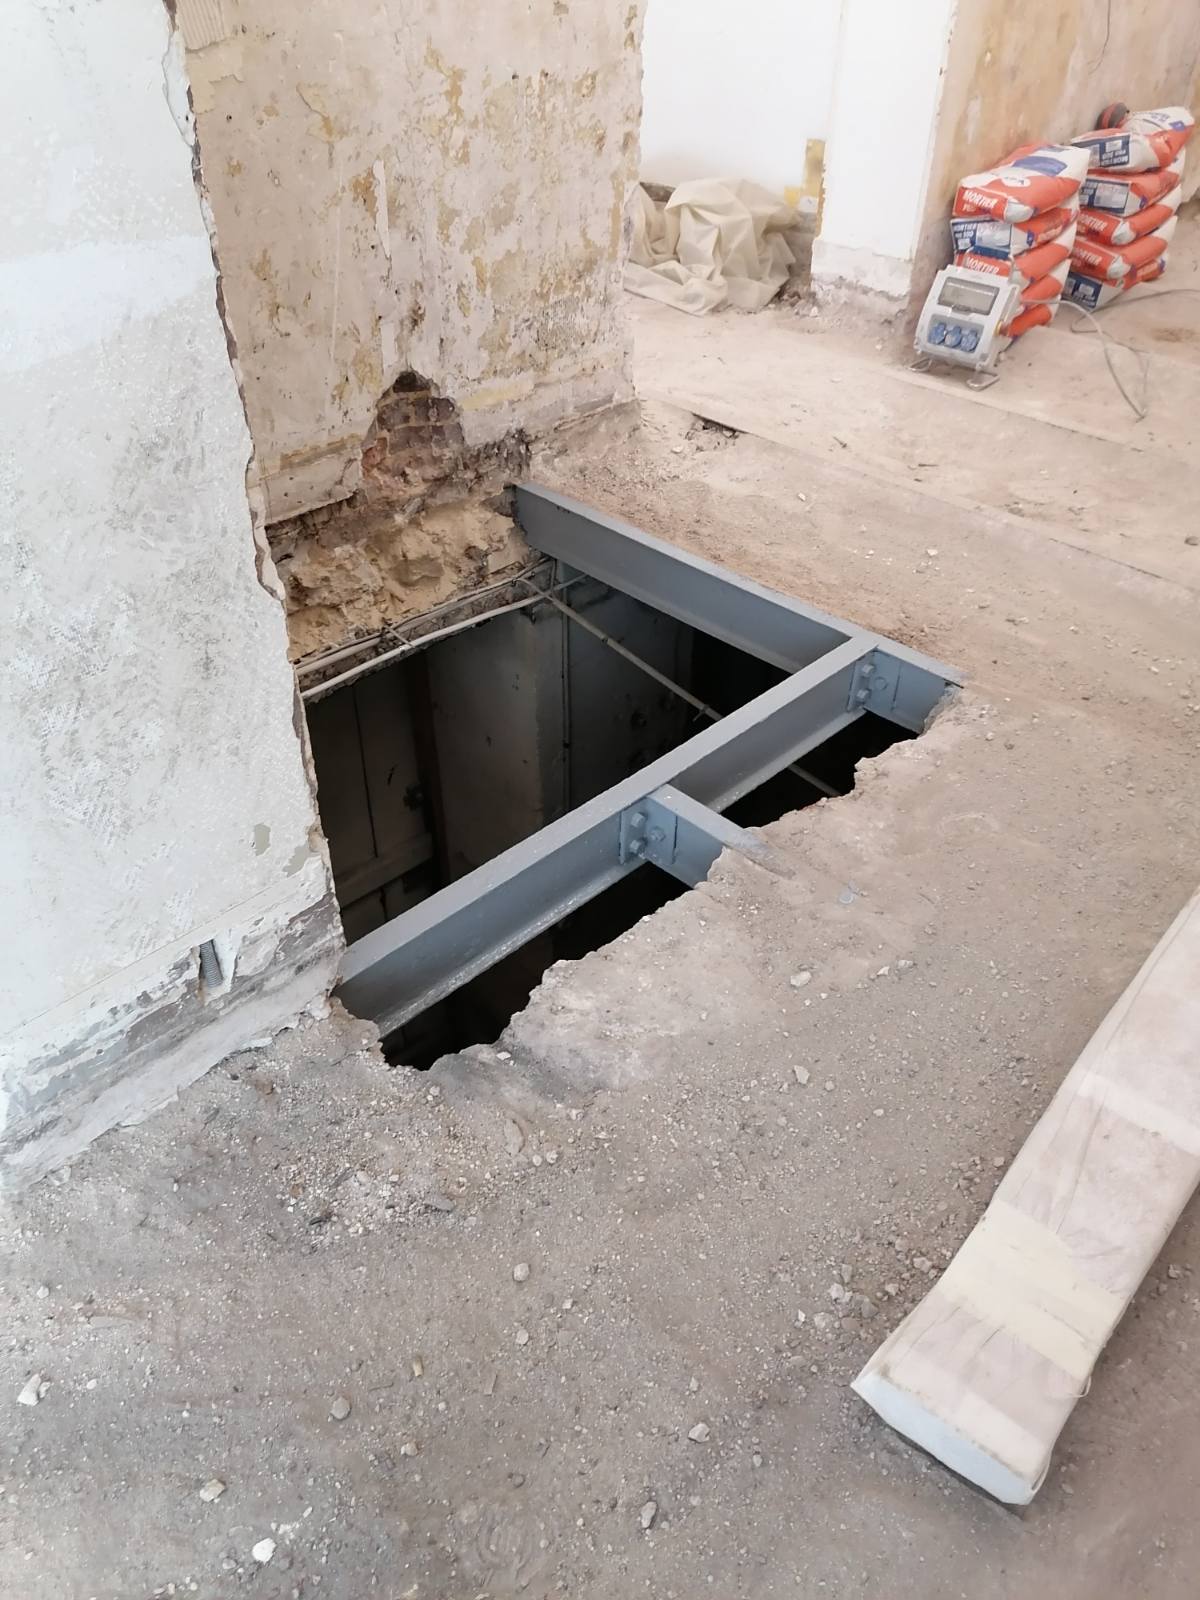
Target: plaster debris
x,y
340,1409
700,1433
801,980
803,1076
263,1551
521,1337
418,1365
33,1391
521,1272
648,1513
212,1490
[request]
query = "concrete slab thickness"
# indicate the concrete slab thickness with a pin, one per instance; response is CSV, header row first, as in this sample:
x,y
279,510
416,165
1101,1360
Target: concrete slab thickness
x,y
725,1185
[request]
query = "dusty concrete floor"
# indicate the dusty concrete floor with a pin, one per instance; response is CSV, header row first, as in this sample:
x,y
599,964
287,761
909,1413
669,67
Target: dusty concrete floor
x,y
306,1227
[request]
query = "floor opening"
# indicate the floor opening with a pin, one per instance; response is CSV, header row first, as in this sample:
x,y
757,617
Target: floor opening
x,y
432,765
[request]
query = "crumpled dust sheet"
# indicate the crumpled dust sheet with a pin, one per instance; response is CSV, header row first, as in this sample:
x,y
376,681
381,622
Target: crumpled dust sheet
x,y
717,241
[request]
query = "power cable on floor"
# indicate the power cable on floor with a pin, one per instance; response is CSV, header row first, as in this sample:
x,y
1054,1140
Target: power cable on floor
x,y
1141,409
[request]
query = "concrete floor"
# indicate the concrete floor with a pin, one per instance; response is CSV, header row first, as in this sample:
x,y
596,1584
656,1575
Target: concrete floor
x,y
306,1229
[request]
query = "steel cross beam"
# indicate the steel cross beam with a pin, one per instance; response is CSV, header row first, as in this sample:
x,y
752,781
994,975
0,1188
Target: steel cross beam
x,y
682,837
838,672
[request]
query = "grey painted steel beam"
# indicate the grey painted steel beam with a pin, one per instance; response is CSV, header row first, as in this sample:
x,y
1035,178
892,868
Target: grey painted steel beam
x,y
839,672
426,953
684,838
694,591
774,627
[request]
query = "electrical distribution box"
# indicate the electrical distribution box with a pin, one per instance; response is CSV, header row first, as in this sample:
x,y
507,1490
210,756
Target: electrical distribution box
x,y
962,317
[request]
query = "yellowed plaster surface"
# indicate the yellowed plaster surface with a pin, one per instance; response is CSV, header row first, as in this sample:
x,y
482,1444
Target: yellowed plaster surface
x,y
415,184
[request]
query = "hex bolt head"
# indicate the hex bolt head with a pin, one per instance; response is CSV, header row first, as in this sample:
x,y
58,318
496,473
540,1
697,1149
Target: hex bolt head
x,y
656,836
637,847
638,819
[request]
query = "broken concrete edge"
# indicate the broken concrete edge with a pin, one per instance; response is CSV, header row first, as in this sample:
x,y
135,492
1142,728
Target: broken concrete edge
x,y
160,1031
430,516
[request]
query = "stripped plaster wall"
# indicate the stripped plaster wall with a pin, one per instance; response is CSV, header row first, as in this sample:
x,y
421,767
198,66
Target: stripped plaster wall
x,y
415,186
153,795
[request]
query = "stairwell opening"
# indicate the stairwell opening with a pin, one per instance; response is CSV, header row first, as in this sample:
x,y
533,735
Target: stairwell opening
x,y
542,695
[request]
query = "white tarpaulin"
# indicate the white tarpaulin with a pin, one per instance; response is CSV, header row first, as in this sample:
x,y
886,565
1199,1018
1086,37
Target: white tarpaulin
x,y
717,241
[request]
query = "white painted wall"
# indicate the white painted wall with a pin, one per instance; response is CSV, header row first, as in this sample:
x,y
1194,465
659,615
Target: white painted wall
x,y
890,65
735,91
152,791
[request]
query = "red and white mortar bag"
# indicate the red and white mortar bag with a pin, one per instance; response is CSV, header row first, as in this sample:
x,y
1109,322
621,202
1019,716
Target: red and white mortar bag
x,y
988,236
1093,293
1146,140
1116,261
1026,268
1120,194
1107,229
1048,287
1037,316
1037,177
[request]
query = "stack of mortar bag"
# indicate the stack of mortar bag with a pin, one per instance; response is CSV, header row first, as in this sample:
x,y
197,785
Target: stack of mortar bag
x,y
1018,221
1130,198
